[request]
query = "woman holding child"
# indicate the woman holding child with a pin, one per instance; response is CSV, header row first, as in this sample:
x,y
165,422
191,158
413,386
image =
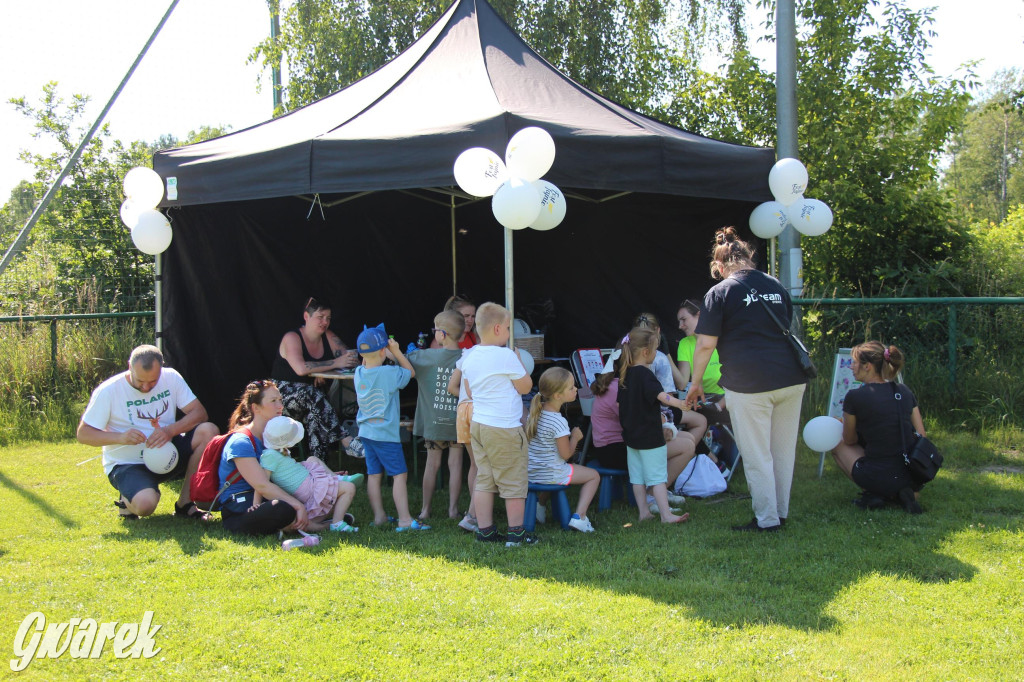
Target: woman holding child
x,y
260,402
762,379
313,347
871,453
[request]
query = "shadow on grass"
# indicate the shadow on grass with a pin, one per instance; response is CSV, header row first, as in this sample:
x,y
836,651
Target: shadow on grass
x,y
37,501
193,537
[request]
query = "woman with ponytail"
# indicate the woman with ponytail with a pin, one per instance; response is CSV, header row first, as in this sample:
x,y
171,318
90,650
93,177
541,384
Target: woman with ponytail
x,y
552,445
874,414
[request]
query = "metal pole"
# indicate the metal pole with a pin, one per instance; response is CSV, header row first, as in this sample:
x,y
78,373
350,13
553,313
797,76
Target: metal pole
x,y
790,255
509,297
275,71
19,243
158,288
952,349
455,270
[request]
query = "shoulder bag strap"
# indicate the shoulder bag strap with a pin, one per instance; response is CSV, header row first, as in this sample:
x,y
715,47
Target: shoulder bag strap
x,y
234,475
899,418
778,323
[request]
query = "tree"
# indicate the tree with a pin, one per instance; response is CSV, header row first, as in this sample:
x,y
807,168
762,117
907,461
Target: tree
x,y
987,170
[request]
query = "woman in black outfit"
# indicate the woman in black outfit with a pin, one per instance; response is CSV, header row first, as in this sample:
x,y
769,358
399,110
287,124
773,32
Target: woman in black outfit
x,y
871,452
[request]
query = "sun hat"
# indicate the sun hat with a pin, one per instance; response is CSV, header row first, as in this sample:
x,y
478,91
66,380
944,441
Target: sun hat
x,y
282,432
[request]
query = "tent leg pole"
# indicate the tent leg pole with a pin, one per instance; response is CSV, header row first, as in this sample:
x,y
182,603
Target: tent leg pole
x,y
509,302
455,270
158,291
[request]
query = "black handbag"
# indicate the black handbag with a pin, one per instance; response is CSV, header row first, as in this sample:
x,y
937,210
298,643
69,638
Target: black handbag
x,y
924,459
795,344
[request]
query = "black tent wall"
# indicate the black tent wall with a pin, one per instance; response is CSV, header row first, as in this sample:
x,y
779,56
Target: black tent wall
x,y
237,274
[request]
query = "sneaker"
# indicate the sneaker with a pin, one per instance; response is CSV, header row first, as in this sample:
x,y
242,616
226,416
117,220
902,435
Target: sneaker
x,y
753,527
869,501
468,524
582,525
675,499
542,513
909,502
352,478
520,538
343,527
491,536
355,449
656,510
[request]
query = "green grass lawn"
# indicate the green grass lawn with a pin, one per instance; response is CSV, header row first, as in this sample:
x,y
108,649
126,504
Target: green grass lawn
x,y
839,594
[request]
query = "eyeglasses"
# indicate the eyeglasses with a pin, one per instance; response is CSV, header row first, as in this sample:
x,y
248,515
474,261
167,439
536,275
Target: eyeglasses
x,y
690,307
443,332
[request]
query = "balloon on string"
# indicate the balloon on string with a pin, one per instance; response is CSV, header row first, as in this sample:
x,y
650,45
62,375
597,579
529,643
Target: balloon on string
x,y
480,171
813,219
152,232
516,204
530,153
787,180
768,220
144,187
821,434
130,213
552,206
161,460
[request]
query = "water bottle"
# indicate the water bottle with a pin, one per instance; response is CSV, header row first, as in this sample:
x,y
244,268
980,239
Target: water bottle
x,y
304,541
423,341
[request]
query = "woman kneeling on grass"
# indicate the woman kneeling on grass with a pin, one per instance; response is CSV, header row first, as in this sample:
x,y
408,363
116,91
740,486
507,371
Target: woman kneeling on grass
x,y
260,403
871,452
551,443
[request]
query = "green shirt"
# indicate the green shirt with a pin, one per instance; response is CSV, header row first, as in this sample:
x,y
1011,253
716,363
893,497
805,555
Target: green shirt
x,y
285,472
714,370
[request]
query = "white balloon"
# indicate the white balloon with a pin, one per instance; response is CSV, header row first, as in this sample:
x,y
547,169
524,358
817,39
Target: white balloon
x,y
787,180
768,220
130,213
821,434
516,204
160,460
480,171
527,359
152,233
530,153
552,206
144,187
813,219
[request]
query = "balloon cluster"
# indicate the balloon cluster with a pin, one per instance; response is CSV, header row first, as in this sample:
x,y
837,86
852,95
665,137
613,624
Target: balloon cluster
x,y
520,199
788,180
151,231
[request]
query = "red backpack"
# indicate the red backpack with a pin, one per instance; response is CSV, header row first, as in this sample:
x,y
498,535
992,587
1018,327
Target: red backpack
x,y
205,488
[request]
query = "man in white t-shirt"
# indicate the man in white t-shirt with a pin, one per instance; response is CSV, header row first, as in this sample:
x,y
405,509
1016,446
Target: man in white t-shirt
x,y
137,409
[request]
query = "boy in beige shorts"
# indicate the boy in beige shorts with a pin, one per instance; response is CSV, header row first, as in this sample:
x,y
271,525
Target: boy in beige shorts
x,y
496,380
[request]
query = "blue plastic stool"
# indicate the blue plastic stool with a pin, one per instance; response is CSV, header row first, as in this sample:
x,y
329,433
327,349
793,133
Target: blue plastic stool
x,y
612,481
559,504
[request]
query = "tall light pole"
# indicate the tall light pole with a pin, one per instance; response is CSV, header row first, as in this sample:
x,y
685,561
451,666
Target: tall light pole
x,y
791,256
275,71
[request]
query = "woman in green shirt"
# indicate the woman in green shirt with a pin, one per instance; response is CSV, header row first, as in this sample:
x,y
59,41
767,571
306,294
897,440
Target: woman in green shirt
x,y
689,313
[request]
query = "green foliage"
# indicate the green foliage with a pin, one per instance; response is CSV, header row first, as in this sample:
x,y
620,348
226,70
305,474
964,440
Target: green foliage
x,y
839,594
987,170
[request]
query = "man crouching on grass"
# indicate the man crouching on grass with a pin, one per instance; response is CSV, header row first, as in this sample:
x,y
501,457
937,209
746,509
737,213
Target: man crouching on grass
x,y
138,409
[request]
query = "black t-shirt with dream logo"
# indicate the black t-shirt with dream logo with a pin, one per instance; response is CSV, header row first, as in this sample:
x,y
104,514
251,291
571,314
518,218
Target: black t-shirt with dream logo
x,y
755,355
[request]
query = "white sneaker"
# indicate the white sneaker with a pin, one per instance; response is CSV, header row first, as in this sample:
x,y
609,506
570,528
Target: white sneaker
x,y
542,513
675,499
355,449
468,524
582,525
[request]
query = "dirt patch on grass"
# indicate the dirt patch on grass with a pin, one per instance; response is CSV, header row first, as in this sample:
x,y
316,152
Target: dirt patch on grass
x,y
1000,469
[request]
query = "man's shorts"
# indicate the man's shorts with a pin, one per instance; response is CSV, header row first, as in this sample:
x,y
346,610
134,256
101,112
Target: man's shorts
x,y
440,444
647,467
501,460
131,479
463,418
383,457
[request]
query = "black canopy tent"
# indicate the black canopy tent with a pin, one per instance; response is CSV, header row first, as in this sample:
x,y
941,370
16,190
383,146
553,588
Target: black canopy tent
x,y
352,199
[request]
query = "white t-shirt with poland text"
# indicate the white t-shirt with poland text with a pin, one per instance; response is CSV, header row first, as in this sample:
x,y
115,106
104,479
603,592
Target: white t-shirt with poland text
x,y
117,406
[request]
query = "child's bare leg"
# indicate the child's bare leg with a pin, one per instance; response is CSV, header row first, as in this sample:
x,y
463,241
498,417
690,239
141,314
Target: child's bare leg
x,y
373,484
317,525
401,495
514,509
640,495
589,480
661,497
484,503
346,493
695,424
454,479
429,481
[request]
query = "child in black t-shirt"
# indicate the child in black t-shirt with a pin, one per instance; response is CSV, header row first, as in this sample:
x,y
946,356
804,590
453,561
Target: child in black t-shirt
x,y
640,399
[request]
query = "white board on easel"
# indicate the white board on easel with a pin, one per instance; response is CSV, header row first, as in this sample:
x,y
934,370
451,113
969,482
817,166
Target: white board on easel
x,y
842,382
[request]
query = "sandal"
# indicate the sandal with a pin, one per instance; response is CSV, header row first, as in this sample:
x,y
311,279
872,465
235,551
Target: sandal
x,y
125,517
191,511
415,525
